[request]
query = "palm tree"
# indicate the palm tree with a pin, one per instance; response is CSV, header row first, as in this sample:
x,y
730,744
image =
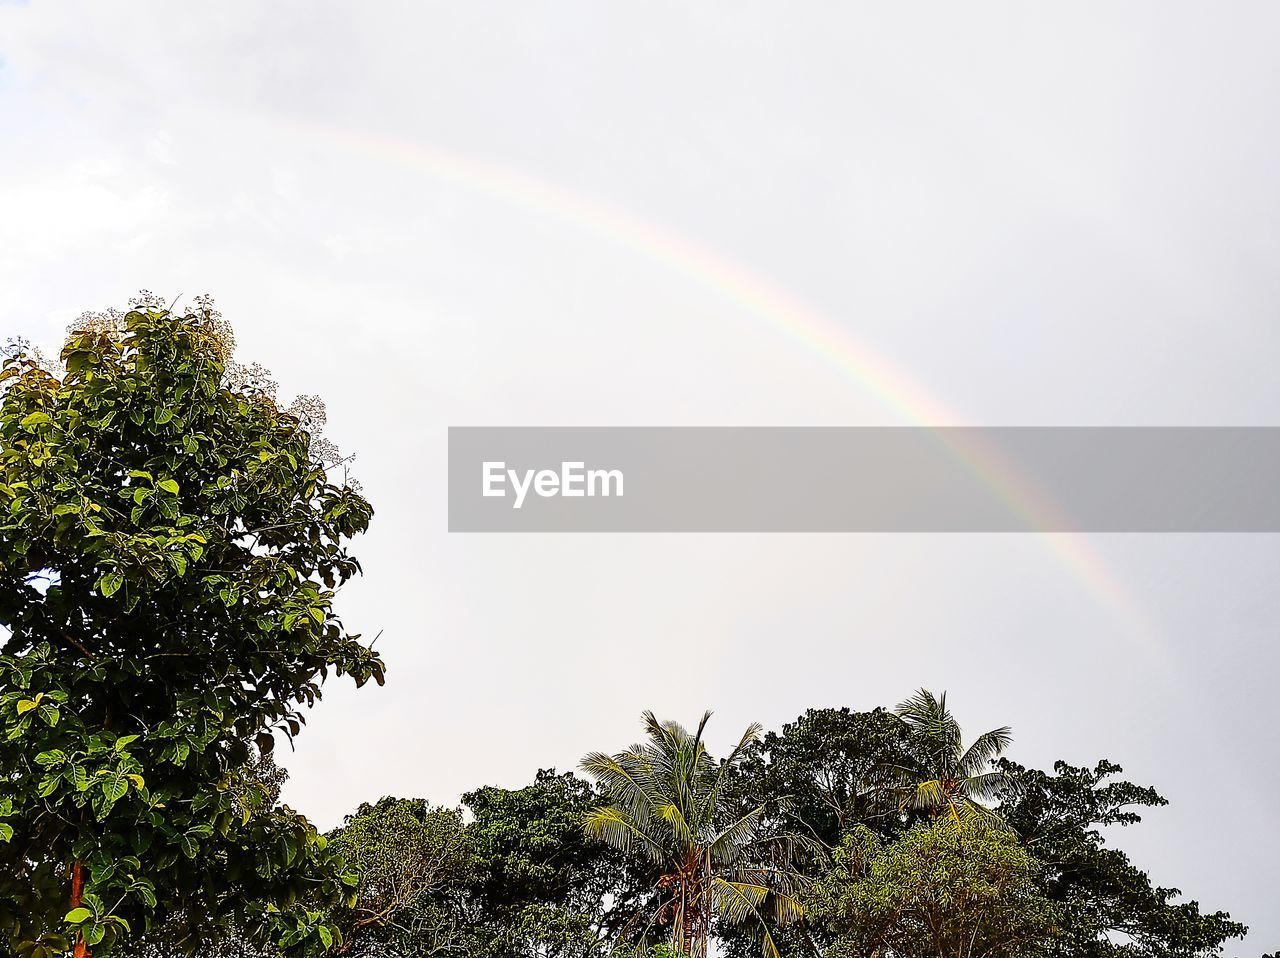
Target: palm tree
x,y
945,778
667,805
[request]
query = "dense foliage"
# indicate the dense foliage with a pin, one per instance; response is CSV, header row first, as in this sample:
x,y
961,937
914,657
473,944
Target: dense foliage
x,y
940,774
414,860
170,544
541,869
832,772
668,806
821,803
516,876
171,541
1109,907
966,890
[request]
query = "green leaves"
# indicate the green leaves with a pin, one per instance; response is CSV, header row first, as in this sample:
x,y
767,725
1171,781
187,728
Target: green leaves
x,y
43,706
940,889
92,922
115,786
945,775
160,523
668,807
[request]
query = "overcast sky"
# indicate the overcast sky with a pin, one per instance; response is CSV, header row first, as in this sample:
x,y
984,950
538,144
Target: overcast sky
x,y
584,213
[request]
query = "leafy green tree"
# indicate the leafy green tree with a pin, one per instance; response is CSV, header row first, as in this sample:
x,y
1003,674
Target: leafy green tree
x,y
231,944
946,888
174,940
821,775
668,807
829,770
414,861
1108,907
519,880
943,776
544,931
170,545
540,871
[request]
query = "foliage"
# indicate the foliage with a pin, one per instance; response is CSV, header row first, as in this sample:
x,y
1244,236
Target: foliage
x,y
169,550
171,542
1109,907
829,770
941,776
538,860
821,775
172,939
231,943
543,931
960,889
521,878
412,858
532,884
669,808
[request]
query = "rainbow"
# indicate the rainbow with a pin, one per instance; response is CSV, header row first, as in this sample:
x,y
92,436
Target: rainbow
x,y
830,342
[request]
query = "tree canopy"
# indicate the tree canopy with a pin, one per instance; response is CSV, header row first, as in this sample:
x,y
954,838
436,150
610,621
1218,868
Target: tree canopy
x,y
170,546
1109,907
172,541
963,889
668,806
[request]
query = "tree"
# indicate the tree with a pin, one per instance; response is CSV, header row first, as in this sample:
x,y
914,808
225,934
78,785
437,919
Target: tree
x,y
413,861
545,886
821,775
521,878
668,806
958,889
1108,907
942,776
544,931
170,546
829,770
174,940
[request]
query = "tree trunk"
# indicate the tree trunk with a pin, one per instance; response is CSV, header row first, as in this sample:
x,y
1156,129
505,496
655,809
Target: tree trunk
x,y
77,896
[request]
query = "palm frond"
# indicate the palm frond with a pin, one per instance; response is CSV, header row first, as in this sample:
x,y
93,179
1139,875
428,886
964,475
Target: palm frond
x,y
613,826
736,901
675,820
749,737
984,749
727,846
666,803
928,794
627,781
934,726
988,786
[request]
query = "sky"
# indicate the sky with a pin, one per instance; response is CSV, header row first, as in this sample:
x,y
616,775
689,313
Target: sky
x,y
434,215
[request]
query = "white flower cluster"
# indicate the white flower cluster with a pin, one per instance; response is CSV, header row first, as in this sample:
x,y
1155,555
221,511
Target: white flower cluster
x,y
255,378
